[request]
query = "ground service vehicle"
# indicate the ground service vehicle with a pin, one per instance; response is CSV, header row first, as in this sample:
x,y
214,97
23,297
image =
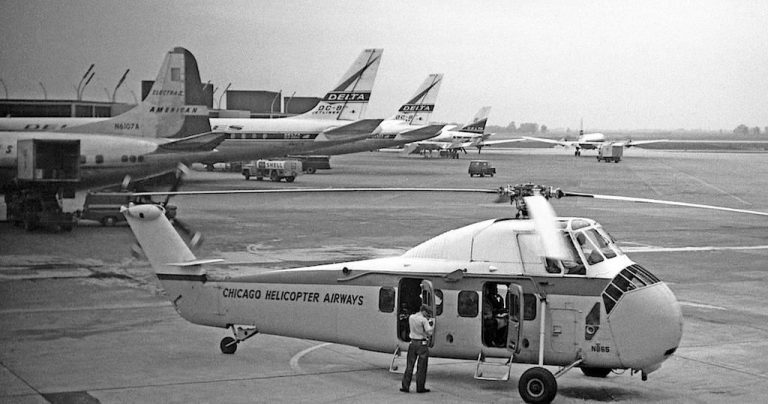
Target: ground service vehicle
x,y
481,168
47,170
275,170
104,207
310,164
610,152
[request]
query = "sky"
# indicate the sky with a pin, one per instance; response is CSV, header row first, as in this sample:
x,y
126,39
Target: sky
x,y
642,64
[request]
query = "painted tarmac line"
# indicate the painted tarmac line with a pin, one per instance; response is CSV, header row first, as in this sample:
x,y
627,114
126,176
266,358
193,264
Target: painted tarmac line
x,y
693,249
701,305
294,362
89,308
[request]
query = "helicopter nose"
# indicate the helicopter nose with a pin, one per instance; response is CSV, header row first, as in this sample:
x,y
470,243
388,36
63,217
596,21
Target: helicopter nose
x,y
647,325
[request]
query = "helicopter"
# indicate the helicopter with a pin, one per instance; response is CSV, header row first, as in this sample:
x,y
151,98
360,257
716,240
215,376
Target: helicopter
x,y
570,297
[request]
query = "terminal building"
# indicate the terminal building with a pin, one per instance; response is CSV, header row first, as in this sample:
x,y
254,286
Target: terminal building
x,y
239,104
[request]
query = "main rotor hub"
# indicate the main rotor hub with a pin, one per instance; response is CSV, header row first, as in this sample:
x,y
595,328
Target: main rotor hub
x,y
518,192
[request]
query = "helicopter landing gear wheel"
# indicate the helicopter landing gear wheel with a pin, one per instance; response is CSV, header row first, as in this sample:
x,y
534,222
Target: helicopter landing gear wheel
x,y
228,345
537,385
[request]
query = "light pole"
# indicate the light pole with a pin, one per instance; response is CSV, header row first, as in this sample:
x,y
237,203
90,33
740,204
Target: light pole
x,y
80,84
222,95
289,102
82,90
272,106
119,83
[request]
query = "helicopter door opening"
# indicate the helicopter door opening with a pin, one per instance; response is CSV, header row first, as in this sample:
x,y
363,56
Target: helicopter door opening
x,y
412,294
495,314
515,327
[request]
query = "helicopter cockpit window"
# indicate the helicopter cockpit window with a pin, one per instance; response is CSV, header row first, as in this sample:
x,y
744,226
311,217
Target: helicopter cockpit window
x,y
630,278
588,246
601,242
610,241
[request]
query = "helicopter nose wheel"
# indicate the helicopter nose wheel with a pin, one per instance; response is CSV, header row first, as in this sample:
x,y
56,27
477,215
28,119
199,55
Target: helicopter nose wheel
x,y
537,385
228,345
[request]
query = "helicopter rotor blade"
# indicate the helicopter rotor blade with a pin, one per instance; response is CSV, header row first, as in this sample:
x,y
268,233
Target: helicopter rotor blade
x,y
545,223
663,202
125,183
181,171
195,237
317,190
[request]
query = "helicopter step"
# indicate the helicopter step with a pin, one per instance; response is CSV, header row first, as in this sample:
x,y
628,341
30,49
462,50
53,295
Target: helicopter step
x,y
489,370
398,361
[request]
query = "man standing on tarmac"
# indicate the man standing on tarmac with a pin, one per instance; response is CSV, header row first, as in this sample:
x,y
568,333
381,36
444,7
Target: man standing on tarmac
x,y
422,327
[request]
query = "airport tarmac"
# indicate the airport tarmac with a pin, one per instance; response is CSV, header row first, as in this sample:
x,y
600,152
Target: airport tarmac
x,y
81,320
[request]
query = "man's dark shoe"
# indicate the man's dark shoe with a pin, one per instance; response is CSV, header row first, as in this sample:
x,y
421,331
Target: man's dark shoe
x,y
403,389
423,391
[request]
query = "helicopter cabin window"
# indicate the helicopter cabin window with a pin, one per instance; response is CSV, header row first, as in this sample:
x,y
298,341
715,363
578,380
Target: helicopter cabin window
x,y
529,307
438,302
124,158
99,159
387,300
468,302
83,160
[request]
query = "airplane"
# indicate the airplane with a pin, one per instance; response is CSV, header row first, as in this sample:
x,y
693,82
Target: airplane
x,y
570,297
336,119
470,135
170,126
409,124
592,141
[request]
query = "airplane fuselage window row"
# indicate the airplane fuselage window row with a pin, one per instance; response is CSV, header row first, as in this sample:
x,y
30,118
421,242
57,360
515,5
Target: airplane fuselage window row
x,y
99,159
272,136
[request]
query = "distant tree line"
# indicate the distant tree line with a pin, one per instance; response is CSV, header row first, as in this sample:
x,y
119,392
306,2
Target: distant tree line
x,y
745,130
526,127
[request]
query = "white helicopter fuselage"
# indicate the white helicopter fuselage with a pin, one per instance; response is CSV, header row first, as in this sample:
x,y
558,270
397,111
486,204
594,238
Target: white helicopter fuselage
x,y
612,314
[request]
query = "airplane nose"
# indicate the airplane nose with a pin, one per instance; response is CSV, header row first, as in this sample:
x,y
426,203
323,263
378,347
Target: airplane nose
x,y
647,325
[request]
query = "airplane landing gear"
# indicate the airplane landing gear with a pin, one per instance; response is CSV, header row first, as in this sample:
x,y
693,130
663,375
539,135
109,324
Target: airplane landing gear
x,y
577,153
228,345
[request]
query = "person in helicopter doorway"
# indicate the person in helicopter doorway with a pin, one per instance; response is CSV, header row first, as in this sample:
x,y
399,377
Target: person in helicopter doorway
x,y
494,317
422,327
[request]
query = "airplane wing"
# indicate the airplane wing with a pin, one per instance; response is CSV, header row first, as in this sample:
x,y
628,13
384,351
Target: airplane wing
x,y
500,141
195,143
352,131
422,133
630,143
552,141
